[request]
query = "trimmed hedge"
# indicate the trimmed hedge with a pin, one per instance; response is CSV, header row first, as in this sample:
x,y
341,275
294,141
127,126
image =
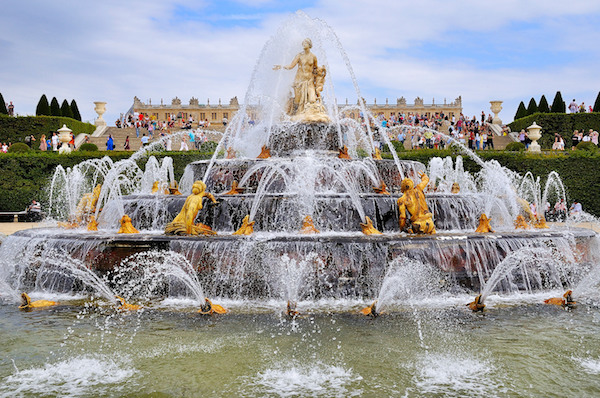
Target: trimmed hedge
x,y
88,147
563,123
15,129
515,147
25,176
19,147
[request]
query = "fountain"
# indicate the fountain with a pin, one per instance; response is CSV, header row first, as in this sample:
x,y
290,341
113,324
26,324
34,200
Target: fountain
x,y
282,191
302,221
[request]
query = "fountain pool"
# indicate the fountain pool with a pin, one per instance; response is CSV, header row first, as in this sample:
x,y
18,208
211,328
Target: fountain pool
x,y
317,165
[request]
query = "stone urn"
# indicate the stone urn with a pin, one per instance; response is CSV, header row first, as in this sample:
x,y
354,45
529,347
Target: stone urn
x,y
496,107
534,134
100,109
64,135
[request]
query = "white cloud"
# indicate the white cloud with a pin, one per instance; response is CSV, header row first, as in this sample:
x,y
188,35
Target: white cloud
x,y
114,50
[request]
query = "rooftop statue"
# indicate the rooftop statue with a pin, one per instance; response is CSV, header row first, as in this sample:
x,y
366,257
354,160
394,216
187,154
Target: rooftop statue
x,y
306,106
183,224
413,202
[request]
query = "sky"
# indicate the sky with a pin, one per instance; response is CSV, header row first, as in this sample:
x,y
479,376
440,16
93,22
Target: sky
x,y
113,50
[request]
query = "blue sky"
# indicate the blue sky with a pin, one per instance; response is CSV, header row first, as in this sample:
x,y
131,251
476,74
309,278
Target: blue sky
x,y
112,50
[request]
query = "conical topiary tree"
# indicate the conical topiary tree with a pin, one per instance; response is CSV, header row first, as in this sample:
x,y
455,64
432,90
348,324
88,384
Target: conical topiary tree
x,y
558,105
521,111
596,107
543,105
75,110
55,108
43,108
3,109
532,107
65,109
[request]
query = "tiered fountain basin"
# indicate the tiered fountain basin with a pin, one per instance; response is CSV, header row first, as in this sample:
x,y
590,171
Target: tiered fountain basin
x,y
340,265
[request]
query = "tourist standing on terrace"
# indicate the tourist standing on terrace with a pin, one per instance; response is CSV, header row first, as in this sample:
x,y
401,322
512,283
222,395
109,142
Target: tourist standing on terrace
x,y
127,147
110,144
11,109
573,107
43,144
54,142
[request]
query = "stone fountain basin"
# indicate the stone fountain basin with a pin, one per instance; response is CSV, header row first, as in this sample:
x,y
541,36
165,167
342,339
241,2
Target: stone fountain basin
x,y
285,212
340,264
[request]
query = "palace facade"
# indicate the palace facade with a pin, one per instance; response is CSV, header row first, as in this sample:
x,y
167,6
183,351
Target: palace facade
x,y
216,113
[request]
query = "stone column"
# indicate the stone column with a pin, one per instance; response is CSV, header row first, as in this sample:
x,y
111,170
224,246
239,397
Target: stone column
x,y
496,107
100,109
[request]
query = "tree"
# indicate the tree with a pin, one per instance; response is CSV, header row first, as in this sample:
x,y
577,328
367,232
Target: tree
x,y
3,109
558,105
597,104
55,108
521,111
75,110
43,108
532,107
65,109
543,105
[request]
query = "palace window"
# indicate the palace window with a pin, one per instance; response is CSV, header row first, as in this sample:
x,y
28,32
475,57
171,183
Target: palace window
x,y
214,116
225,115
202,116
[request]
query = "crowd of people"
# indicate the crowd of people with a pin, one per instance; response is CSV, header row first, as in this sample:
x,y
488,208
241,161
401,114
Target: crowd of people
x,y
437,131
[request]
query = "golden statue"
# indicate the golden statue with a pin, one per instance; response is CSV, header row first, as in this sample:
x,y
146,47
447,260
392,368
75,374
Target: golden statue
x,y
343,153
377,154
158,186
183,223
484,224
455,188
371,310
381,189
235,189
247,227
87,204
308,227
125,306
476,305
230,153
174,188
291,311
306,105
93,224
413,201
27,304
368,228
566,300
209,308
265,153
126,226
520,222
540,223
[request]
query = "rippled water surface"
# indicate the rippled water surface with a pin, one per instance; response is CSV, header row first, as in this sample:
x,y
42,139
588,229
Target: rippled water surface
x,y
516,348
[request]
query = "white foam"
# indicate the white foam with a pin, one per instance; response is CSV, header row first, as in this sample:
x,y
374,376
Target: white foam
x,y
590,365
456,376
95,375
307,380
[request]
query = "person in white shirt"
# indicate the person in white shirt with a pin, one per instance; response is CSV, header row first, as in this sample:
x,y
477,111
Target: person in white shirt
x,y
54,142
573,107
